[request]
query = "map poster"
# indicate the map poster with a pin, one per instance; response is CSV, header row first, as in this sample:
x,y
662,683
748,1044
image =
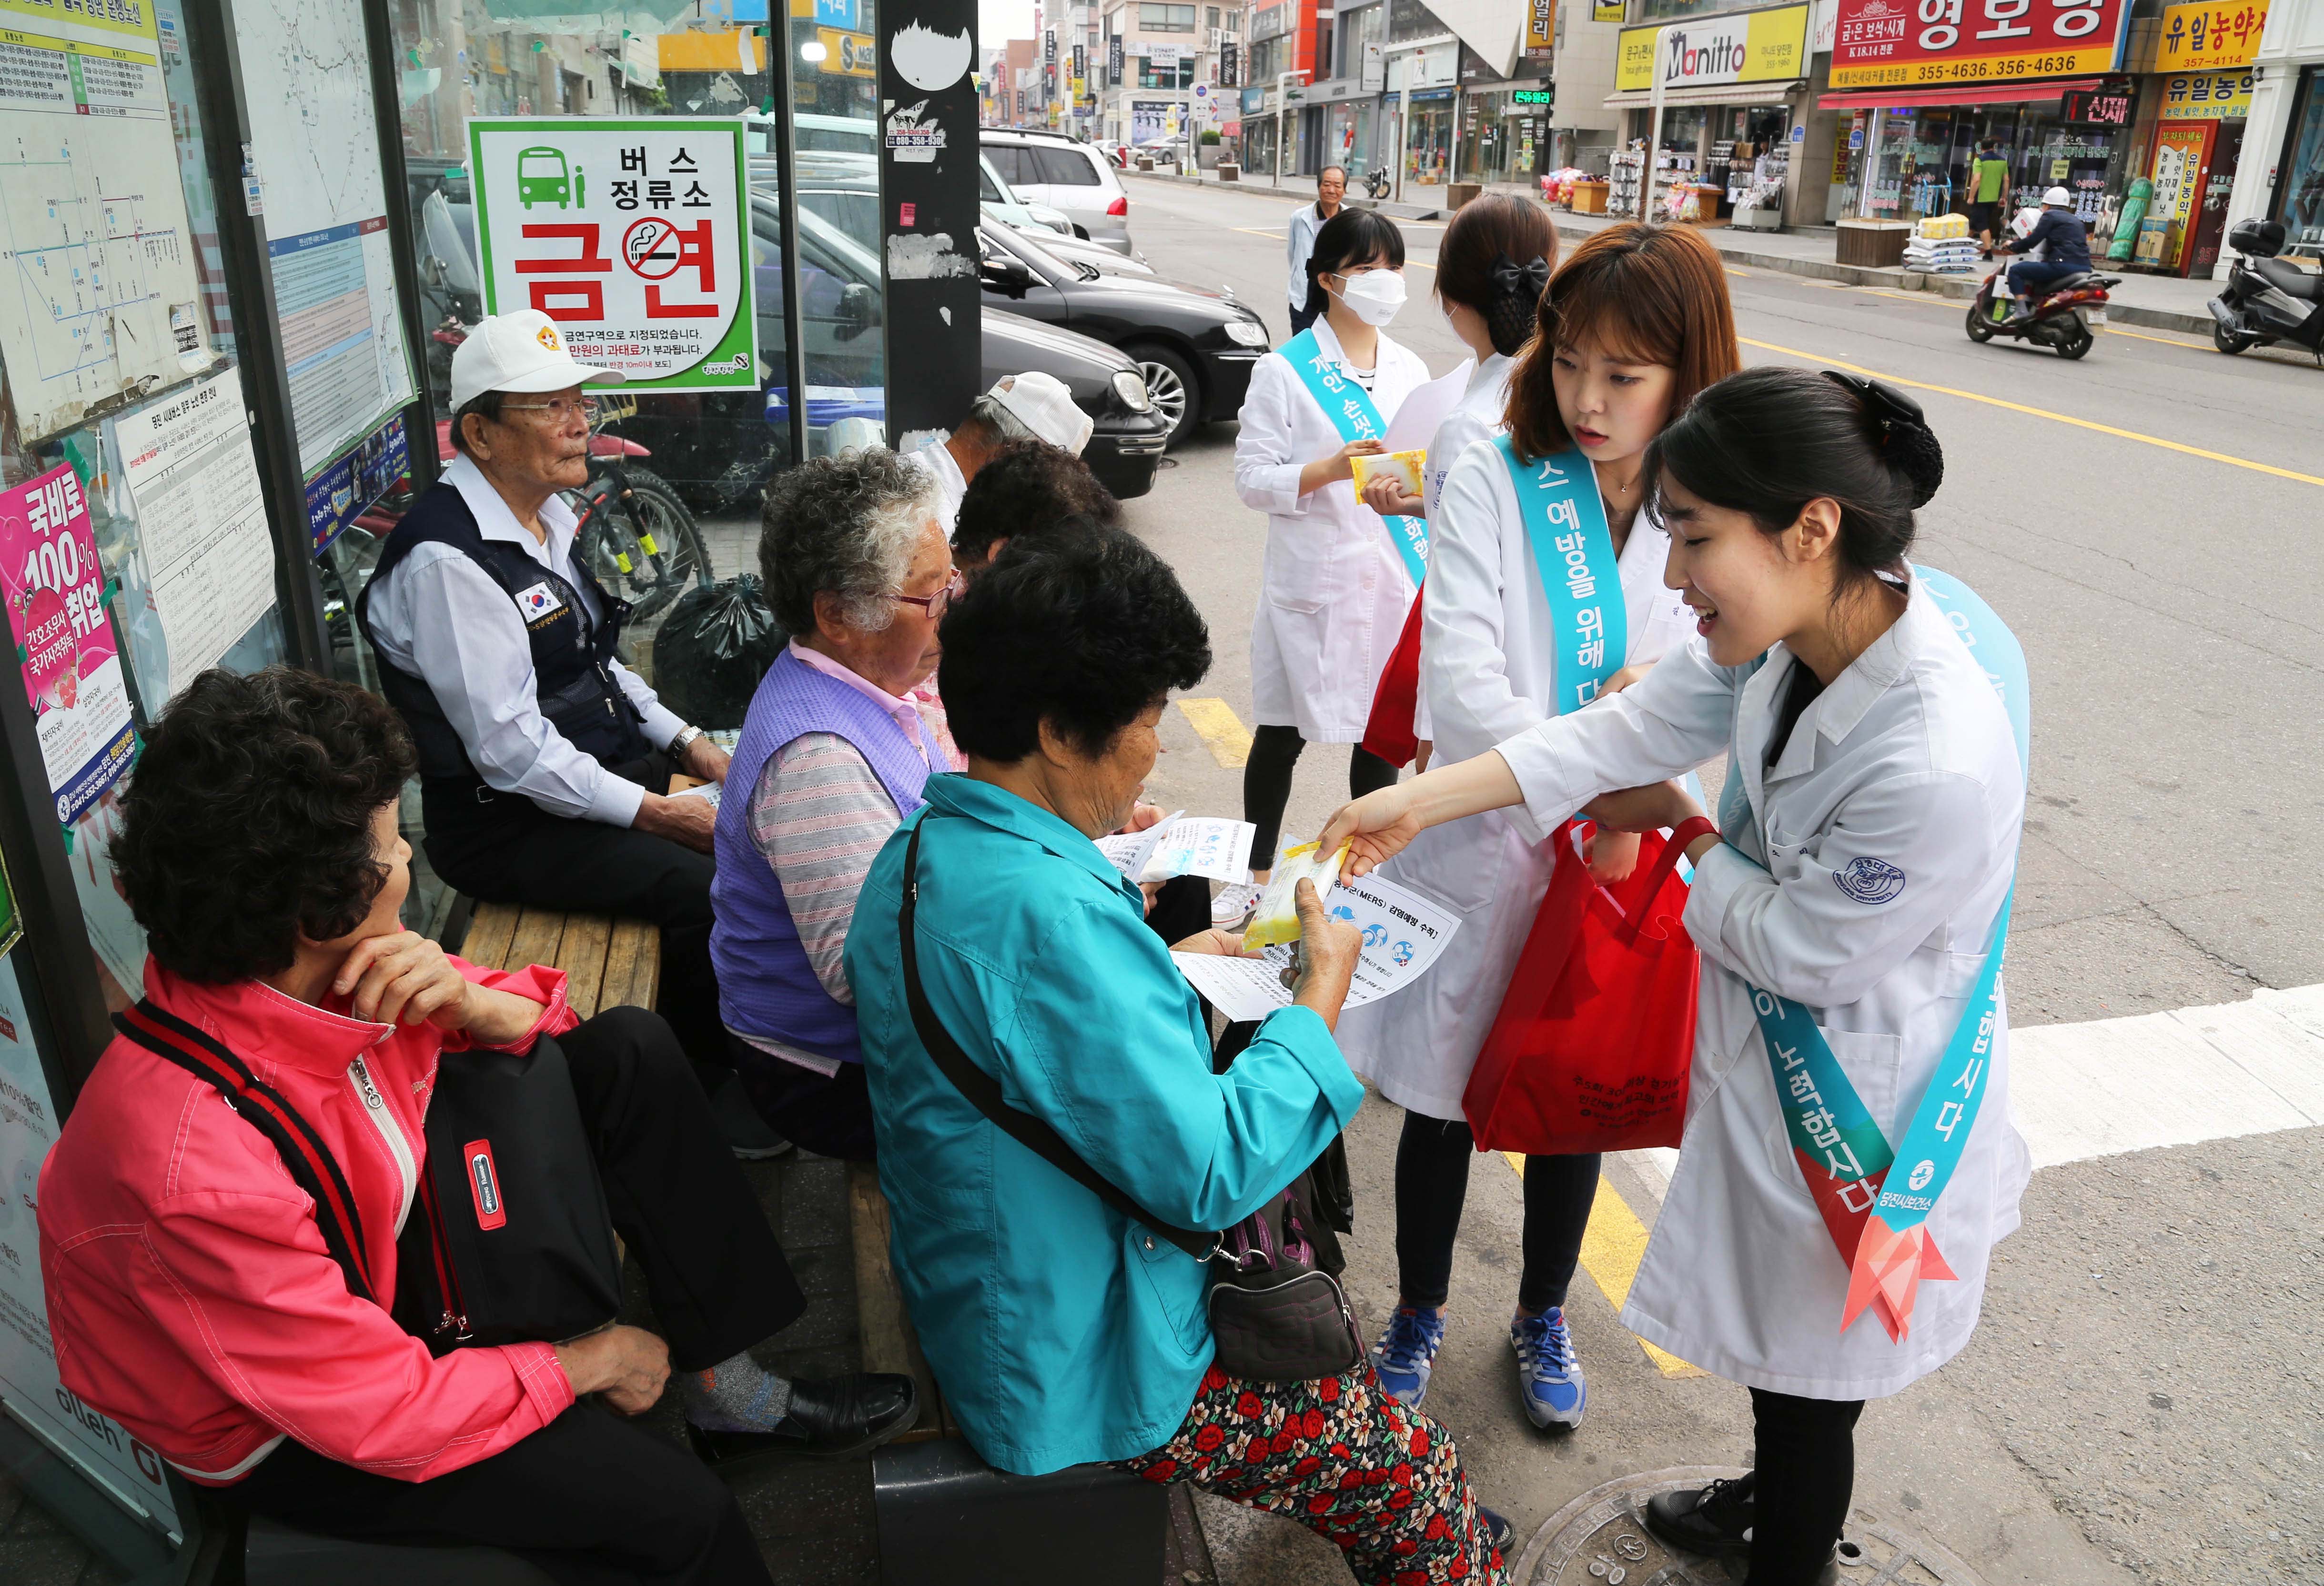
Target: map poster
x,y
633,235
93,233
315,131
202,520
55,594
98,1445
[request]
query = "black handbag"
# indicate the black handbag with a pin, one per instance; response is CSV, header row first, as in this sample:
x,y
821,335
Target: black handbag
x,y
1277,1310
525,1252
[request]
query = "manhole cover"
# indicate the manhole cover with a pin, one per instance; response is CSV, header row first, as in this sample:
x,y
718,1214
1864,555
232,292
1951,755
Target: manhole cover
x,y
1601,1539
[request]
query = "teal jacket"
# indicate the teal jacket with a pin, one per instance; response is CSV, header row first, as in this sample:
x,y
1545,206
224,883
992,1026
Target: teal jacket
x,y
1060,1331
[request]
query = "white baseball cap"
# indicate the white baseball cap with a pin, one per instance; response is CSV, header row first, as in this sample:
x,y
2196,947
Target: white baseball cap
x,y
1044,405
520,351
2057,198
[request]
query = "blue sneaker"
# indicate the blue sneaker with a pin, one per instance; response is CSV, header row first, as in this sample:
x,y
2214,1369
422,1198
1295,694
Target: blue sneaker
x,y
1406,1353
1549,1373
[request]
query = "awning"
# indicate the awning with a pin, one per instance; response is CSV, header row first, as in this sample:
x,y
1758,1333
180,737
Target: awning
x,y
1708,94
1990,94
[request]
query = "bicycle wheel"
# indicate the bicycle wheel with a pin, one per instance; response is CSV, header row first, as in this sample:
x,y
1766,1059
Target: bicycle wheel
x,y
645,546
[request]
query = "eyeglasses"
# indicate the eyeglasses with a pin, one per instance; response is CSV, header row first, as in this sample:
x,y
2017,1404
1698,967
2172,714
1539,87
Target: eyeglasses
x,y
934,604
559,410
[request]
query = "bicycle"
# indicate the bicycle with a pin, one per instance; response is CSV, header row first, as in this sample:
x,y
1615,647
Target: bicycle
x,y
635,535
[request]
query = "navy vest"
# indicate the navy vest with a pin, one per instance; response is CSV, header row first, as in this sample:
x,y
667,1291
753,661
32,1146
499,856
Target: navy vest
x,y
766,986
571,669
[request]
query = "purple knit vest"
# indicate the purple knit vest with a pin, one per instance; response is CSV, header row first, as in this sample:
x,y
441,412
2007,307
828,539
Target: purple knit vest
x,y
766,986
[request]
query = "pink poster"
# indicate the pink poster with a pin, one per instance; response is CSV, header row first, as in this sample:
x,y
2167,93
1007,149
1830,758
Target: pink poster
x,y
55,592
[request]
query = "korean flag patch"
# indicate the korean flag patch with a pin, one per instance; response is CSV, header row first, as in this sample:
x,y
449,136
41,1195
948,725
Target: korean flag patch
x,y
537,602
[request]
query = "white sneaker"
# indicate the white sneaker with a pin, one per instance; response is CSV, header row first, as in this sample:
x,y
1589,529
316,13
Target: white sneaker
x,y
1234,903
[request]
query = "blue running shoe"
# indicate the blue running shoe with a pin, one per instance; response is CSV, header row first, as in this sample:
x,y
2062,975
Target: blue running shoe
x,y
1549,1373
1406,1352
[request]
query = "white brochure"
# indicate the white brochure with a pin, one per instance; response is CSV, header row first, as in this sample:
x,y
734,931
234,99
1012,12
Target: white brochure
x,y
1203,846
1403,934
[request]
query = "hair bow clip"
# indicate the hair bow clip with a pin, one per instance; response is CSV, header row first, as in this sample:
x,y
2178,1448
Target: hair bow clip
x,y
1510,277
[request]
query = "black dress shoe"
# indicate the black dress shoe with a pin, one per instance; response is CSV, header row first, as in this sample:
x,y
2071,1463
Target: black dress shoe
x,y
1500,1533
830,1417
1713,1520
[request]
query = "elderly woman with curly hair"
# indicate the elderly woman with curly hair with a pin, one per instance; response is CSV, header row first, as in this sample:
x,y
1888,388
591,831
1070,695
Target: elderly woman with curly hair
x,y
833,753
191,1293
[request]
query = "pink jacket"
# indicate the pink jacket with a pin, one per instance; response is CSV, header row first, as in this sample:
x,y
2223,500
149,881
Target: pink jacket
x,y
190,1297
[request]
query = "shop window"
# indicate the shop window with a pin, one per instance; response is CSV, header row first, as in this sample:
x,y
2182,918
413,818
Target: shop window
x,y
1154,18
2300,195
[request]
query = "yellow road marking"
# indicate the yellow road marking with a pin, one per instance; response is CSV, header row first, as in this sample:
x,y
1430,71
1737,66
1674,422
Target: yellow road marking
x,y
1216,724
1746,274
1612,1248
1261,232
2127,435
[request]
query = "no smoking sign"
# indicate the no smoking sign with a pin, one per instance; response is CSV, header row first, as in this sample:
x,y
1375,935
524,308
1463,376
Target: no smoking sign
x,y
649,247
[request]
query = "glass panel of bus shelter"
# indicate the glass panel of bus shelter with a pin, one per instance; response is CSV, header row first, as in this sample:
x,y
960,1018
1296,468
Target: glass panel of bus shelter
x,y
116,377
833,62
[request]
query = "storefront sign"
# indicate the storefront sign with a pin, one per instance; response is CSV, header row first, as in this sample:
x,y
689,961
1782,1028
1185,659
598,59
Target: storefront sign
x,y
633,235
1541,26
846,54
2207,95
2202,36
1748,47
1881,43
2104,107
352,485
1532,96
1606,10
2179,154
55,591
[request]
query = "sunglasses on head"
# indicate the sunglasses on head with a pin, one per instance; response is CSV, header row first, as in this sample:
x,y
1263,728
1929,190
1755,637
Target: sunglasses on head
x,y
1883,403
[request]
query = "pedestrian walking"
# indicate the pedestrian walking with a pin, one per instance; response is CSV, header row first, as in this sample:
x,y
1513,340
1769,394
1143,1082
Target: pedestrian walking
x,y
1635,323
1850,902
1299,246
1334,589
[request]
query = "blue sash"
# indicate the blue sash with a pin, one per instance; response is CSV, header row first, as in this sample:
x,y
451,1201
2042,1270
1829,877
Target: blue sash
x,y
1573,553
1874,1220
1350,408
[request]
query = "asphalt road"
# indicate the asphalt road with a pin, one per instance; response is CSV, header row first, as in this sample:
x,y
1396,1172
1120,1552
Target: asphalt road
x,y
2142,1400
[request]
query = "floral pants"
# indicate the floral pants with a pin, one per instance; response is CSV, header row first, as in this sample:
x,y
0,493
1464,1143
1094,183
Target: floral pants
x,y
1343,1460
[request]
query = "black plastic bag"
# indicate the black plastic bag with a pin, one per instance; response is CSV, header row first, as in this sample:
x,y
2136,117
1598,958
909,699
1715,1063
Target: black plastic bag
x,y
712,650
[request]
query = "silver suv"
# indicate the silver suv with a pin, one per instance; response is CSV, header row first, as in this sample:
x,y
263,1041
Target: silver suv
x,y
1052,168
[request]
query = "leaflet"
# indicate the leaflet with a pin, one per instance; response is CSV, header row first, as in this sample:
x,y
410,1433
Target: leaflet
x,y
1204,846
1403,934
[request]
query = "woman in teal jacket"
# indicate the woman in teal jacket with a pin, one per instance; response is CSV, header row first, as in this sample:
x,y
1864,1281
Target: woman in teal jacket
x,y
1060,1331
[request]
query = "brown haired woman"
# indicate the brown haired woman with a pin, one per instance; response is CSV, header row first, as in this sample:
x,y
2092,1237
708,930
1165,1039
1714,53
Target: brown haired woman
x,y
1632,326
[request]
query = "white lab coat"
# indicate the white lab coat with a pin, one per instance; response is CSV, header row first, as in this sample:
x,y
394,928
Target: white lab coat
x,y
1334,594
1487,662
1478,416
1907,758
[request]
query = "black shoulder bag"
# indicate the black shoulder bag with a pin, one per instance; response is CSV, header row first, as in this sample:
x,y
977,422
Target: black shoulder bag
x,y
534,1262
1277,1313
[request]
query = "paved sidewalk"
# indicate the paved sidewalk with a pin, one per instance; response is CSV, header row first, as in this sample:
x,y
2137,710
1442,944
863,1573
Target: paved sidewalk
x,y
2157,302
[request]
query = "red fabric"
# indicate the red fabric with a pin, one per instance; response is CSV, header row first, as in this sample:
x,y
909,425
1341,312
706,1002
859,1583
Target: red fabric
x,y
1595,1036
1388,731
189,1293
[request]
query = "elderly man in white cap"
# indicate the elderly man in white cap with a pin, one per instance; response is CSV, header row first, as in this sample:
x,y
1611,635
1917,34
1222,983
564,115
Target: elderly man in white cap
x,y
1032,406
543,758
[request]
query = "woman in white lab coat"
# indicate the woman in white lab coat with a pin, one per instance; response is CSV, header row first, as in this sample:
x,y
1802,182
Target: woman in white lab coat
x,y
1633,323
1334,592
1857,877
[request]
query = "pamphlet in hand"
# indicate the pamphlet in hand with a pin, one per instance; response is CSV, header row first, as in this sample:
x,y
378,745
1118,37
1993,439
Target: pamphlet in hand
x,y
1403,934
1219,849
706,789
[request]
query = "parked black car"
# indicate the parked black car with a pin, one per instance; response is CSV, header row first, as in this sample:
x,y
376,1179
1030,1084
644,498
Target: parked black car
x,y
1195,346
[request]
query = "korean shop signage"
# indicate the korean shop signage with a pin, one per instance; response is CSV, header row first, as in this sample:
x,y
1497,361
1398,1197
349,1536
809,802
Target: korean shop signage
x,y
1748,47
1887,43
2204,37
633,235
2207,95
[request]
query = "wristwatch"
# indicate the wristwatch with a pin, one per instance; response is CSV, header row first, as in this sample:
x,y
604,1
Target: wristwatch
x,y
683,740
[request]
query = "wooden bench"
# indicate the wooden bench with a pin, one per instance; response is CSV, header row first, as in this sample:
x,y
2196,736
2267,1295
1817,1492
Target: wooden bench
x,y
608,963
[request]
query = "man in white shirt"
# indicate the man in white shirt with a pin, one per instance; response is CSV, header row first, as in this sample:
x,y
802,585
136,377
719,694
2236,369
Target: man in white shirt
x,y
542,756
1032,406
1330,186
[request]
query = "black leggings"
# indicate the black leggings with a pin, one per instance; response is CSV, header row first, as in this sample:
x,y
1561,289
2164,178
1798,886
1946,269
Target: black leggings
x,y
1266,785
1804,1460
1432,1183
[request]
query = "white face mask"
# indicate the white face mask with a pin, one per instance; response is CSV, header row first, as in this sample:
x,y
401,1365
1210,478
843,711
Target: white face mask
x,y
1375,296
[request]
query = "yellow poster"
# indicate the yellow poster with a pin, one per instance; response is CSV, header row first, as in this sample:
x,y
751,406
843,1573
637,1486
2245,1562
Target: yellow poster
x,y
2178,181
1745,47
2207,95
1606,10
1541,26
2203,36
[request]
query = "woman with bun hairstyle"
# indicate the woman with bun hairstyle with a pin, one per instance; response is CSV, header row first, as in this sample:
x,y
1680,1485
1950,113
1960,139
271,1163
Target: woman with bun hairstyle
x,y
1335,588
1852,903
1633,323
1492,266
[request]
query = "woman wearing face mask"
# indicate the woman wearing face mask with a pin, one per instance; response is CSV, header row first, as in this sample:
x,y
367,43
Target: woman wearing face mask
x,y
1491,268
1335,588
1852,902
1632,326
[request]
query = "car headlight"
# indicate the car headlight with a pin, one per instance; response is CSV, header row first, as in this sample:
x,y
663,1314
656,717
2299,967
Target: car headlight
x,y
1247,333
1131,387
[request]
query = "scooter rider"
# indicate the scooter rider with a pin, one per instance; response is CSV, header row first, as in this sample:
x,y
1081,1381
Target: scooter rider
x,y
2065,250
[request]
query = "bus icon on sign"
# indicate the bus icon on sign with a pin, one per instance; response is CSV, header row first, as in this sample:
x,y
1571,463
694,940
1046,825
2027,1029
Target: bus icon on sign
x,y
541,177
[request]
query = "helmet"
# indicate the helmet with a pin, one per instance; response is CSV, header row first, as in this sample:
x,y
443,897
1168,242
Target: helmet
x,y
2057,198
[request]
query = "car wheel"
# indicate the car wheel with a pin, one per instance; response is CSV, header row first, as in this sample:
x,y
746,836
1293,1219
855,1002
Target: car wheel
x,y
1170,382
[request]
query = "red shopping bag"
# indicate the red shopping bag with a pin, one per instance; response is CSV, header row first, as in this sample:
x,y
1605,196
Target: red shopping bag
x,y
1388,731
1591,1047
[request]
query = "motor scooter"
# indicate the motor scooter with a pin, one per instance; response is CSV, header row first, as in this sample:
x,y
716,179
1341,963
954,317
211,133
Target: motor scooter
x,y
2267,300
1376,182
2062,319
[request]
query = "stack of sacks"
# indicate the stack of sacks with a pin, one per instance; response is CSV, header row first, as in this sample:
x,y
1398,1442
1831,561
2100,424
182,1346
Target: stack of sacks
x,y
1941,245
